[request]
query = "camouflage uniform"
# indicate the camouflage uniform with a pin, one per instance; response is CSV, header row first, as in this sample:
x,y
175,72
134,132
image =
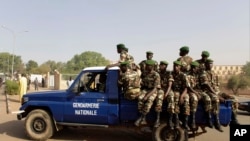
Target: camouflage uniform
x,y
124,56
185,62
224,96
178,87
130,81
150,83
167,78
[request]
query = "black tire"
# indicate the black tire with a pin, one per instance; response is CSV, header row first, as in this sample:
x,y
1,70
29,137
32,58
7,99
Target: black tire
x,y
39,125
162,133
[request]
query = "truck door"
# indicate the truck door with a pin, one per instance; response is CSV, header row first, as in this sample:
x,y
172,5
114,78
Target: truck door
x,y
90,104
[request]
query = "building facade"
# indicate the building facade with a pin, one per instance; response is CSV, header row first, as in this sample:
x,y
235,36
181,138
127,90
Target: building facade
x,y
226,71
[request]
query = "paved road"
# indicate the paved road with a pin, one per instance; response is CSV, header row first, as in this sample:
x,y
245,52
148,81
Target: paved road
x,y
13,130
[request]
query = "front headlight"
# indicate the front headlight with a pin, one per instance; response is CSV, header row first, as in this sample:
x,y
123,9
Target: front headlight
x,y
25,99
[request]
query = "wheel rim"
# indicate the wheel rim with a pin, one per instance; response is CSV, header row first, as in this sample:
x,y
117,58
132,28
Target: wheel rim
x,y
168,134
39,125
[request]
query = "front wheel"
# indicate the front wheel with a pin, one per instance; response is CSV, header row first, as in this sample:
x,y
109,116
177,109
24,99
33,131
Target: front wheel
x,y
39,125
162,133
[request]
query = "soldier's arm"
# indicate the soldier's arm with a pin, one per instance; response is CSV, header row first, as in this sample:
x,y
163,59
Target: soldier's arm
x,y
169,88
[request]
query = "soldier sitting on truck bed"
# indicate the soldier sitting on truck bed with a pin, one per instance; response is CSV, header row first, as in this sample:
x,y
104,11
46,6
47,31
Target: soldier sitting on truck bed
x,y
150,87
185,59
129,81
166,84
222,96
206,81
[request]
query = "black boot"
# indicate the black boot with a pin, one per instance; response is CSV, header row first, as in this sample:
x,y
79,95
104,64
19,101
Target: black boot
x,y
143,120
209,120
157,122
234,120
217,124
185,122
193,124
138,121
170,121
176,121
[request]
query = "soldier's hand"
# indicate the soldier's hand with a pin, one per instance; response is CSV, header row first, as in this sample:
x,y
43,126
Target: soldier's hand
x,y
181,100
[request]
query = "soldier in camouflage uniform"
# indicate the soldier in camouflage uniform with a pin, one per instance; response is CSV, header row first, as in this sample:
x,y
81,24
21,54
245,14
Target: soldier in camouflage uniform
x,y
129,81
193,91
181,98
222,96
207,80
124,56
185,59
203,60
149,56
166,84
151,85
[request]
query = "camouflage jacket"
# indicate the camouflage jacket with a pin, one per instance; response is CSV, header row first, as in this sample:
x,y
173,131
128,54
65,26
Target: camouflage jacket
x,y
180,81
150,80
129,80
165,78
185,61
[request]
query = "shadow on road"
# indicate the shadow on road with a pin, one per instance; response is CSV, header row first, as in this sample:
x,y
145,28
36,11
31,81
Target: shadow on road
x,y
243,113
103,134
14,129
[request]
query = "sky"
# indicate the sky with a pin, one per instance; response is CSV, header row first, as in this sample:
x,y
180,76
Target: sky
x,y
59,29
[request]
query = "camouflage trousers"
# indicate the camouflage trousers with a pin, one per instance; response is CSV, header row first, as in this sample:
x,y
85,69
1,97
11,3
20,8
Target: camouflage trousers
x,y
185,109
215,103
132,94
235,103
144,106
170,102
206,101
159,100
193,100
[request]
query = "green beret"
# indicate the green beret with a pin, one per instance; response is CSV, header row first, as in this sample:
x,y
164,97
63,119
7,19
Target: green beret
x,y
126,49
124,63
205,53
177,63
210,61
195,64
150,62
121,46
164,62
149,52
184,48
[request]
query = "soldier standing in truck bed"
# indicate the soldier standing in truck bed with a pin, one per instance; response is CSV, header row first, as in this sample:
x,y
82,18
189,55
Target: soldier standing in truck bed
x,y
185,59
124,56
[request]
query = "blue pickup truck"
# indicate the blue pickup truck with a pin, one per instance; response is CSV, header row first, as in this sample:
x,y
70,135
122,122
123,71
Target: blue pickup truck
x,y
87,104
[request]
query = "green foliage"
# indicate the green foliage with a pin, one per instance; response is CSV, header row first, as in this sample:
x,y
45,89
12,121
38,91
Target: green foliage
x,y
237,82
246,69
73,66
31,65
11,87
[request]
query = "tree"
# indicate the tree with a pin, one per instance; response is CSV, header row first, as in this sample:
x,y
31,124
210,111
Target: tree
x,y
31,65
237,82
246,69
85,59
5,65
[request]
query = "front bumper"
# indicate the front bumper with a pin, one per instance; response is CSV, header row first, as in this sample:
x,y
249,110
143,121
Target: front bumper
x,y
19,114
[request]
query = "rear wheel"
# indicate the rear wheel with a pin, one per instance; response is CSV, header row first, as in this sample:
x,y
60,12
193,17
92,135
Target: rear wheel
x,y
163,133
39,125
